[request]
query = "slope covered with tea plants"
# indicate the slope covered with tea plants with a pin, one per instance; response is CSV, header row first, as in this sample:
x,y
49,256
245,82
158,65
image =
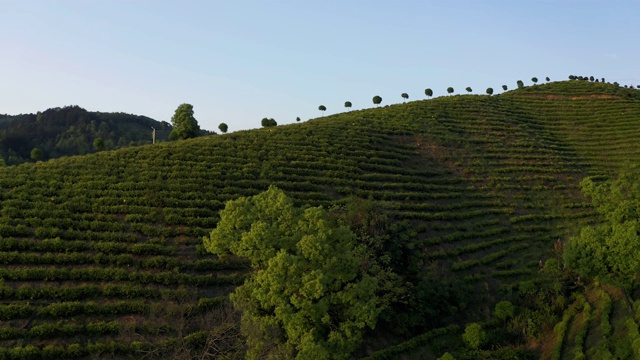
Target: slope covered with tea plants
x,y
102,254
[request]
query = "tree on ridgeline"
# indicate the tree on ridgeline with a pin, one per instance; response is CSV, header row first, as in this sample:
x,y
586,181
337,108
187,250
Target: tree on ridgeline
x,y
520,84
610,250
185,125
309,296
547,79
223,128
36,154
450,90
268,122
405,96
98,144
572,77
489,91
377,100
469,90
347,104
298,118
534,80
504,87
591,78
428,92
322,108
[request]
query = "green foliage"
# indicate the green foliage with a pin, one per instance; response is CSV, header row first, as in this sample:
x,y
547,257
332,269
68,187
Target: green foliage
x,y
185,125
36,154
428,92
405,96
223,128
610,250
298,118
308,297
520,84
377,100
534,80
489,91
469,90
474,336
322,108
504,87
447,356
504,310
450,90
268,122
98,144
347,104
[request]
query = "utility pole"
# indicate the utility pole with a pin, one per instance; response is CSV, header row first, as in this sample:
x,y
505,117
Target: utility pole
x,y
153,135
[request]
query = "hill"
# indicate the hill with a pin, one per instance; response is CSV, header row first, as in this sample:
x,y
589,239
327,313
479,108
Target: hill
x,y
72,130
102,254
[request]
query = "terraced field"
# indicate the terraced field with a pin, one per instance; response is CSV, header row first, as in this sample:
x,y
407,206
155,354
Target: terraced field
x,y
101,254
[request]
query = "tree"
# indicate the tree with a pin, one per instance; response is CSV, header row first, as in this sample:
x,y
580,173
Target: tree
x,y
504,87
347,104
36,154
591,78
474,335
534,80
308,297
185,126
520,84
610,250
428,92
223,127
268,122
405,96
469,90
450,90
322,108
547,79
98,144
572,77
377,100
489,91
504,310
298,119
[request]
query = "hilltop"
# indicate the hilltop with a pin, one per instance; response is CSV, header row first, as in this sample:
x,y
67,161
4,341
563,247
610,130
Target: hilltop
x,y
72,130
102,254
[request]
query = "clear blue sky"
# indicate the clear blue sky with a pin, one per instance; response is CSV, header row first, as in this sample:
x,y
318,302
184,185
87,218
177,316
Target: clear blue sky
x,y
238,61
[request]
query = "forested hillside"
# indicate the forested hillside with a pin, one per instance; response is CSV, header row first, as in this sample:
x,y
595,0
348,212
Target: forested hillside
x,y
474,198
72,130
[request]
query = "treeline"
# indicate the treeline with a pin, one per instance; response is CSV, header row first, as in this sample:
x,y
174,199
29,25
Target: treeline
x,y
72,130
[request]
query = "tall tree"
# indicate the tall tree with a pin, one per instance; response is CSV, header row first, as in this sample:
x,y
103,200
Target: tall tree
x,y
469,90
185,126
534,80
450,90
520,84
98,144
610,250
547,79
322,108
308,297
405,96
489,91
347,104
268,122
428,92
298,119
377,100
504,87
223,127
36,154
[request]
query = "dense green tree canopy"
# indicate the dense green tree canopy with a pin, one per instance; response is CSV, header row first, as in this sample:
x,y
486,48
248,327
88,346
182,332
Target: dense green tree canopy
x,y
405,96
428,92
347,104
308,298
98,144
450,90
534,80
268,122
504,87
185,126
520,84
36,154
223,127
489,91
469,90
322,108
610,250
377,100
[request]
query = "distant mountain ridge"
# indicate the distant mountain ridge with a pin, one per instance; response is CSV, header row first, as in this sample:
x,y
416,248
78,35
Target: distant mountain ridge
x,y
72,130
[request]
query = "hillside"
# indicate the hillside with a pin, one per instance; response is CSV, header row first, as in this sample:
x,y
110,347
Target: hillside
x,y
72,130
102,254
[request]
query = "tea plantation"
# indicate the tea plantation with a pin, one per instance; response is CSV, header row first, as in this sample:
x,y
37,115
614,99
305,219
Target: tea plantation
x,y
102,254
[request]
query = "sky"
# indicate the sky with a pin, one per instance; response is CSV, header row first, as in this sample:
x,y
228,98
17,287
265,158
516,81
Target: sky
x,y
238,61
